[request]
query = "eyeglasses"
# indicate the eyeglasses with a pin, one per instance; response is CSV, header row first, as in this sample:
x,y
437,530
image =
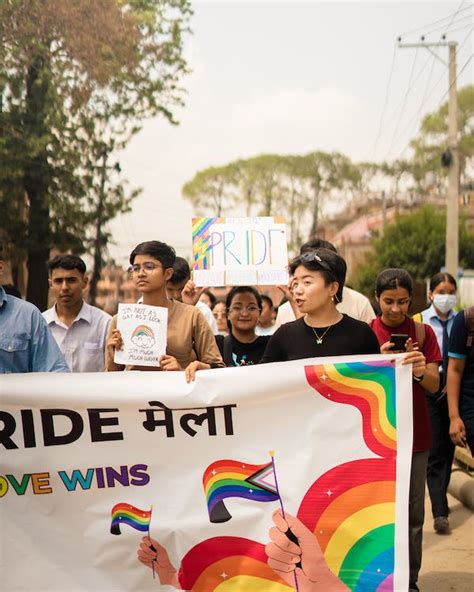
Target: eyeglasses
x,y
251,308
148,267
219,314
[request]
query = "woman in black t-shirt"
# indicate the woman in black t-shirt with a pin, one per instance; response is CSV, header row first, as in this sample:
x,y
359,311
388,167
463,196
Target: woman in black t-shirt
x,y
242,347
318,279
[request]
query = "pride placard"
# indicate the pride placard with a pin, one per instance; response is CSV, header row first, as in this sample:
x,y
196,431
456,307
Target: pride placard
x,y
239,251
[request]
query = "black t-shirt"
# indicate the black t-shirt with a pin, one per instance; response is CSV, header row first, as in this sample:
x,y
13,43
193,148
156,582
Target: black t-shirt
x,y
242,354
296,340
458,349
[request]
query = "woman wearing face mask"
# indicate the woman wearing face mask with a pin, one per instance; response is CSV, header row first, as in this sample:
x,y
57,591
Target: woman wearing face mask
x,y
440,317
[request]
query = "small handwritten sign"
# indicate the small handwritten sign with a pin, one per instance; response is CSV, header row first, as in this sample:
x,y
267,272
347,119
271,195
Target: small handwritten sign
x,y
239,251
143,330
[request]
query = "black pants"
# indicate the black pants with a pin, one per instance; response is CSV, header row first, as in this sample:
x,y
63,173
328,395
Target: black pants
x,y
416,513
441,456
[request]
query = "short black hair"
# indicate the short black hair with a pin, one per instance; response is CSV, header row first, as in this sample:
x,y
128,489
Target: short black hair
x,y
243,290
266,298
181,271
162,252
331,265
211,296
393,278
316,243
66,262
441,277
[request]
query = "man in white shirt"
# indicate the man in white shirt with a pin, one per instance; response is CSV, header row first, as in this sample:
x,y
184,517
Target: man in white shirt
x,y
79,329
353,304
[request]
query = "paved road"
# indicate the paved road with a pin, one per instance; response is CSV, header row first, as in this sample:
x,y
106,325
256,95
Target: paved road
x,y
448,560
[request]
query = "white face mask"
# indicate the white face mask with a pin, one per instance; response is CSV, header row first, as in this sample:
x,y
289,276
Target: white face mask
x,y
444,302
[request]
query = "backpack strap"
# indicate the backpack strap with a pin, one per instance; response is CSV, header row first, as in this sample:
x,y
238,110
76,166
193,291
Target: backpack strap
x,y
469,323
420,334
228,350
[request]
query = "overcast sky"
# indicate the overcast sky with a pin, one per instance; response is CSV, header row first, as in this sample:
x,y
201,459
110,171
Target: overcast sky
x,y
289,77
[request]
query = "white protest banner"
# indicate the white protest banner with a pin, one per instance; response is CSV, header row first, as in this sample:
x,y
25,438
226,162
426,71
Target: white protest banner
x,y
239,251
91,463
143,329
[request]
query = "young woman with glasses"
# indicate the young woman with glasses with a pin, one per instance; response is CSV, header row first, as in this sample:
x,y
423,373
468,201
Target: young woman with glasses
x,y
219,312
189,336
318,280
242,347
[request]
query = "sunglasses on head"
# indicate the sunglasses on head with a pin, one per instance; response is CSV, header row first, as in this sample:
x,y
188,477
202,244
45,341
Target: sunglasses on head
x,y
311,256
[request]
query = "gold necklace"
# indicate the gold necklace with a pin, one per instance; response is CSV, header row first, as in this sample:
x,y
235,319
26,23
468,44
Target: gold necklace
x,y
319,338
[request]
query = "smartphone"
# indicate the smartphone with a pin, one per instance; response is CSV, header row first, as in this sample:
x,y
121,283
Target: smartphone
x,y
398,340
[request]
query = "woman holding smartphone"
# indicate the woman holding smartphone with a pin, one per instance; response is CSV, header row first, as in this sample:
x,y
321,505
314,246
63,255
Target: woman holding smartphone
x,y
393,290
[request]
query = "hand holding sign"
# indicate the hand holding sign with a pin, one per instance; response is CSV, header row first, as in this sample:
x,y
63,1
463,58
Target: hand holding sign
x,y
141,333
239,251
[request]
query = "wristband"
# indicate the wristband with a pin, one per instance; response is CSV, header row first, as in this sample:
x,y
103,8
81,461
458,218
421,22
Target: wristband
x,y
418,378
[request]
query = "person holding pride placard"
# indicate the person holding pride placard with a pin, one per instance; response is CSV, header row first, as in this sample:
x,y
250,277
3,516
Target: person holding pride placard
x,y
189,337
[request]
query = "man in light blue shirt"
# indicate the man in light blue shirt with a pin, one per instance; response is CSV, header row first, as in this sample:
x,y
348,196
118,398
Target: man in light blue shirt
x,y
26,344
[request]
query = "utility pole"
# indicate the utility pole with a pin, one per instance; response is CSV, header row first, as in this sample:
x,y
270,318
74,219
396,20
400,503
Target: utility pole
x,y
450,157
452,206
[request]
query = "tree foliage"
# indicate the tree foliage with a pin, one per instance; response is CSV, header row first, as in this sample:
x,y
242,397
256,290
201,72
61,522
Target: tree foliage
x,y
431,141
77,78
415,242
271,184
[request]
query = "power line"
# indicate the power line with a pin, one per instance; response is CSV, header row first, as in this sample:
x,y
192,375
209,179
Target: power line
x,y
387,91
430,93
409,88
424,27
444,95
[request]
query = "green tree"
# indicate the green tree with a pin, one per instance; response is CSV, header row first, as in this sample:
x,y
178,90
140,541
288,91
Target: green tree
x,y
415,242
74,76
210,191
431,142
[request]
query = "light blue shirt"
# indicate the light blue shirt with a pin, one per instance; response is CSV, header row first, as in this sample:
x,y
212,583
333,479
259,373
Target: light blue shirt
x,y
83,342
26,344
431,318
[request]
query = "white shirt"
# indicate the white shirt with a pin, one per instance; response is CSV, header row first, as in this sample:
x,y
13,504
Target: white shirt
x,y
266,330
83,343
354,304
207,312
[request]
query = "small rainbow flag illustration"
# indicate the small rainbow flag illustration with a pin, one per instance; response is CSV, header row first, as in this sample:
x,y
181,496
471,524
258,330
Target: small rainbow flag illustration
x,y
128,514
143,330
232,478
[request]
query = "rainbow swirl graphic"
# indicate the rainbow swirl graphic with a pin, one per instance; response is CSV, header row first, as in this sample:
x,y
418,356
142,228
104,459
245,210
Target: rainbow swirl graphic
x,y
229,563
201,246
351,510
369,387
143,330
